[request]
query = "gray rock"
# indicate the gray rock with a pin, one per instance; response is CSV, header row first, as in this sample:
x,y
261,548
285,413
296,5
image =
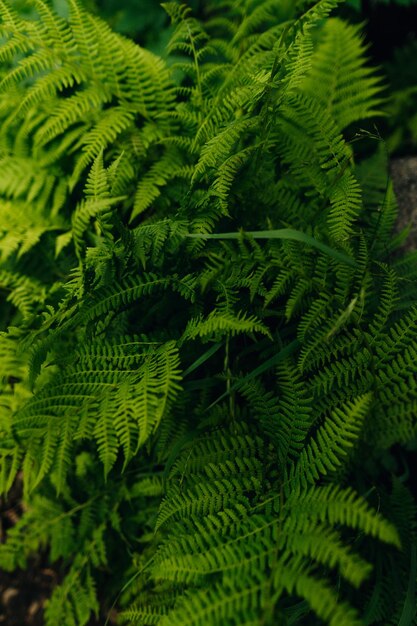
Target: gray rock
x,y
404,177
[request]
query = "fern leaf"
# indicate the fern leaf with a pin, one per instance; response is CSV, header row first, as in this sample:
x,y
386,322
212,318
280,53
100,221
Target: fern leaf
x,y
327,450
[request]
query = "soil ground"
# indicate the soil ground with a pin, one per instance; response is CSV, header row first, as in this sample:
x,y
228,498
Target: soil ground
x,y
23,592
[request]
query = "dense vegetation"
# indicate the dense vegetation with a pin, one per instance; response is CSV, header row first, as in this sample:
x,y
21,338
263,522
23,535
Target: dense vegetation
x,y
209,330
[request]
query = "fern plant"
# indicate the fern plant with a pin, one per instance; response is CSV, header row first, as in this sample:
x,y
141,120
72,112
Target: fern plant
x,y
208,344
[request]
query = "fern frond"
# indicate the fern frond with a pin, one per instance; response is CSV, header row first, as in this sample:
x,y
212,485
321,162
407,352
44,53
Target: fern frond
x,y
327,449
338,65
219,323
116,409
331,503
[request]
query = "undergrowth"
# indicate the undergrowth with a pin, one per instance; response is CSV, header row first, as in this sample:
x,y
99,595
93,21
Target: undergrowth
x,y
209,332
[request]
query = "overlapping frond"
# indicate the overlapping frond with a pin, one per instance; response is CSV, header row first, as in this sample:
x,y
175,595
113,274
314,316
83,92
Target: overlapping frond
x,y
208,354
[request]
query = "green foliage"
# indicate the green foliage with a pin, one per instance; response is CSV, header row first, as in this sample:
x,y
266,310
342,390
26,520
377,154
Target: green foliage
x,y
208,348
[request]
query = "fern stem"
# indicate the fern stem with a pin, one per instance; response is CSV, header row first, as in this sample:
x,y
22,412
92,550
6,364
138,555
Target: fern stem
x,y
284,233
